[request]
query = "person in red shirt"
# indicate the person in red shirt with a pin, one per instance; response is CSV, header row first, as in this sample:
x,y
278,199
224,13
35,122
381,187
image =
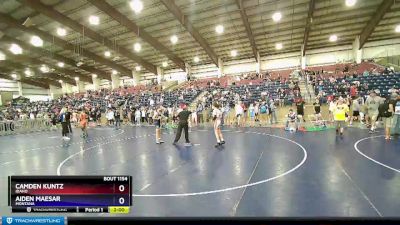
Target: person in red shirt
x,y
353,91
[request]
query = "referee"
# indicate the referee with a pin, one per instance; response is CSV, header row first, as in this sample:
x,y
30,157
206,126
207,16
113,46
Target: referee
x,y
183,124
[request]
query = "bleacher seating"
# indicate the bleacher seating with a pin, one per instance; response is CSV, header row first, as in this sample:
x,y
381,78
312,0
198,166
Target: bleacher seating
x,y
255,89
381,82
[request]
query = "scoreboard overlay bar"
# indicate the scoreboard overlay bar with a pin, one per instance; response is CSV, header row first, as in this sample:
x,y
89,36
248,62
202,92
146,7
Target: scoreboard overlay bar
x,y
88,194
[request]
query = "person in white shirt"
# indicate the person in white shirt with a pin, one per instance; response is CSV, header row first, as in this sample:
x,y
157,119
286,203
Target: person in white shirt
x,y
143,113
356,107
151,102
239,113
137,117
110,116
194,118
217,117
332,106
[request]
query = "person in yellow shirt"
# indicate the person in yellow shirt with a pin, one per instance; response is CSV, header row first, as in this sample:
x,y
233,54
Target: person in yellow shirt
x,y
339,114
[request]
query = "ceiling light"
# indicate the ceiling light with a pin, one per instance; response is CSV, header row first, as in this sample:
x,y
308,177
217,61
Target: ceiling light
x,y
136,5
114,72
36,41
61,31
333,38
164,64
137,47
397,29
233,53
14,76
219,29
107,53
350,3
94,75
278,46
60,81
15,49
196,59
174,39
60,64
76,78
28,72
94,20
2,56
44,69
277,16
137,68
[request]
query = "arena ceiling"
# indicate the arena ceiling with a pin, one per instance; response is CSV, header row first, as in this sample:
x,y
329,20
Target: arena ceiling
x,y
248,28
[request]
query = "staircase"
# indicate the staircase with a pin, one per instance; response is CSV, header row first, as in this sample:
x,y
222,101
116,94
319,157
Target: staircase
x,y
307,94
169,85
193,104
178,86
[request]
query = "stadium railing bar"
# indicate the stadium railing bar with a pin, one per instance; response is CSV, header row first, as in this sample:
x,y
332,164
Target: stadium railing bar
x,y
24,126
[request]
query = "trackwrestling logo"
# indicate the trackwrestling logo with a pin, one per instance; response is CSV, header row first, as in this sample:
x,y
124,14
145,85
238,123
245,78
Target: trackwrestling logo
x,y
33,220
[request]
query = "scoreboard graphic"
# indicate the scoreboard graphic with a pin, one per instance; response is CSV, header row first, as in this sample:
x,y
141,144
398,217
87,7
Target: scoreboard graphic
x,y
74,194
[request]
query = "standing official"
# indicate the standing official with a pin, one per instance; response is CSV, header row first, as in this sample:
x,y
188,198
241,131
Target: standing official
x,y
183,124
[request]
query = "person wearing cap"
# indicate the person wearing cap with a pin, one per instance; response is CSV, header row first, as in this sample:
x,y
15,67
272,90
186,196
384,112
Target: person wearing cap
x,y
339,115
372,103
183,117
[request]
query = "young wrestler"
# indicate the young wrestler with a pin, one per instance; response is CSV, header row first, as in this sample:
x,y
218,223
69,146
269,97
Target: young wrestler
x,y
217,117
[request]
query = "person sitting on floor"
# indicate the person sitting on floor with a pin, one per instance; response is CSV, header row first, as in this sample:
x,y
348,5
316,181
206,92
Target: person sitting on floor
x,y
291,118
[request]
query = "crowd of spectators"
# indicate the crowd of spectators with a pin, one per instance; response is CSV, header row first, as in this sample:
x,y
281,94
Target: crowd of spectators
x,y
249,95
103,102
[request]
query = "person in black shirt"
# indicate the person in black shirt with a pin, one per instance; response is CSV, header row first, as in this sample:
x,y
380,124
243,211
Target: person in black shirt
x,y
183,124
117,115
64,124
317,107
317,110
68,119
300,108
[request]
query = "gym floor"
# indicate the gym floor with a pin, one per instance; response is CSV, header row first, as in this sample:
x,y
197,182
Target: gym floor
x,y
263,172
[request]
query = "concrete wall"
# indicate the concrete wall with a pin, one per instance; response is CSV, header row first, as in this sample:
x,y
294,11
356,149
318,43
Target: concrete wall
x,y
315,57
280,61
175,75
32,92
9,85
204,71
239,66
373,50
329,55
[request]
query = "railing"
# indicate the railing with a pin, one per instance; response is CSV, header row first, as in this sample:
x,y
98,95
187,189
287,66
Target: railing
x,y
24,126
394,60
306,80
